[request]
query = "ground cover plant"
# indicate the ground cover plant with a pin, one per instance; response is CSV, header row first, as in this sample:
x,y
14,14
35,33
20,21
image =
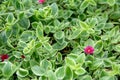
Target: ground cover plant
x,y
59,39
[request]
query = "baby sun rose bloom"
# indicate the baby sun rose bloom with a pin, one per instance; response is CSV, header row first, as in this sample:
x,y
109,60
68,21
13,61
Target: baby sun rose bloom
x,y
3,57
89,50
41,1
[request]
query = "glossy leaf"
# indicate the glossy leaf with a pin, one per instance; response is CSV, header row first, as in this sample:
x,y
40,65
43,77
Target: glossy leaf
x,y
39,32
84,4
60,72
75,34
54,9
84,25
37,70
68,74
7,69
59,35
117,48
70,62
22,72
10,18
51,75
46,64
59,46
24,23
81,59
111,2
99,46
80,71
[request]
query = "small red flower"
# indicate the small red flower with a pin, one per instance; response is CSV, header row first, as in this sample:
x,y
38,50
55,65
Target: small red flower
x,y
3,57
41,1
89,50
22,56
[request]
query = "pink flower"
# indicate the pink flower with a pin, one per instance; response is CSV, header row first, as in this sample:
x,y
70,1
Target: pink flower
x,y
41,1
3,57
89,50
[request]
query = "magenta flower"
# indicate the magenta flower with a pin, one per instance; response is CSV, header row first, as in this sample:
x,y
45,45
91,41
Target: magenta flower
x,y
41,1
3,57
89,50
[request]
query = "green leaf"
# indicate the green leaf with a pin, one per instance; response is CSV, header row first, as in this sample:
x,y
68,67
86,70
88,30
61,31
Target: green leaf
x,y
24,23
92,22
51,75
15,30
84,34
45,12
116,69
22,72
89,42
59,35
91,31
10,18
66,14
37,70
96,64
33,63
117,48
99,46
39,32
75,34
102,1
43,78
1,65
58,46
86,77
57,22
7,69
21,45
92,2
115,15
100,26
81,59
70,62
108,25
111,2
17,54
54,9
107,62
47,46
108,78
114,31
84,25
34,25
27,36
3,37
8,32
80,71
73,56
30,47
84,5
46,64
9,44
59,57
60,72
68,74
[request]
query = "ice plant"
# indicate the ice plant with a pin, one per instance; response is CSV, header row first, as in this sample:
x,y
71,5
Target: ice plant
x,y
41,1
89,50
3,57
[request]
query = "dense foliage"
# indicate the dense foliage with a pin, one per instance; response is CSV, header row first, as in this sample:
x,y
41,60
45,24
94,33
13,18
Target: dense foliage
x,y
59,39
